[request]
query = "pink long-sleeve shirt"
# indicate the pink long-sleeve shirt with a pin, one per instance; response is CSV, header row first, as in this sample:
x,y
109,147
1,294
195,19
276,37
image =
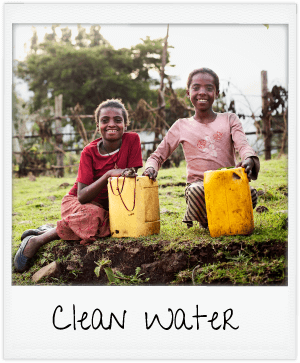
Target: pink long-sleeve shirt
x,y
206,146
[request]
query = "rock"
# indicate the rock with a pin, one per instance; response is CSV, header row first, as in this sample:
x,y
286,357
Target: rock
x,y
164,210
49,270
260,192
134,251
262,209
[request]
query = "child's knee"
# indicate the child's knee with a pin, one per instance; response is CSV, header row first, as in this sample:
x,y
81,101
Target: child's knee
x,y
195,189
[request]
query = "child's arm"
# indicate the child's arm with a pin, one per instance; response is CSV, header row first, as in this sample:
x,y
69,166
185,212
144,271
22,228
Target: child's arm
x,y
163,151
87,193
248,155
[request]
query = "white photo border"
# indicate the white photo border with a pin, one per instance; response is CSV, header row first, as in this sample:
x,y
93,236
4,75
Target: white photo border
x,y
266,316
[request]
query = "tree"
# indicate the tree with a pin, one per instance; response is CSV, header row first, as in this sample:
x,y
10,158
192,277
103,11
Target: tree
x,y
90,75
52,36
87,73
66,35
34,40
147,56
96,38
81,38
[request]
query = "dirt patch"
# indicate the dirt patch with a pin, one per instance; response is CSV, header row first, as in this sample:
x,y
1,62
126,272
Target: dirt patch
x,y
158,262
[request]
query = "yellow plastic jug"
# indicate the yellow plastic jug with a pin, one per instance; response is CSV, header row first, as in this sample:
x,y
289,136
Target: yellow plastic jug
x,y
133,206
228,202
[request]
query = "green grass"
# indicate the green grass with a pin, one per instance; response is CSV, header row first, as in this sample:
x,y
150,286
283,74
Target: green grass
x,y
268,226
38,202
263,271
31,205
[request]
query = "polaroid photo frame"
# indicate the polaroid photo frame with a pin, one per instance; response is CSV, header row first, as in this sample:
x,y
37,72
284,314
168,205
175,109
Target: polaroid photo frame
x,y
41,322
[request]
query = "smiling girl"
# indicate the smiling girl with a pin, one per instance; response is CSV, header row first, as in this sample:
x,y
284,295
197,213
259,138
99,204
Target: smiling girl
x,y
84,210
209,141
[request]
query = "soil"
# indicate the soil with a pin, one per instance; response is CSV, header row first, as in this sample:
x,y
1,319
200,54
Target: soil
x,y
156,262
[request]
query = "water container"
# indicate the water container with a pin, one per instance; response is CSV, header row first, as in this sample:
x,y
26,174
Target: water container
x,y
228,202
133,209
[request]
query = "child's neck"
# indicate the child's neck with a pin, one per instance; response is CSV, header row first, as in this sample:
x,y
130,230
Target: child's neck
x,y
205,117
110,146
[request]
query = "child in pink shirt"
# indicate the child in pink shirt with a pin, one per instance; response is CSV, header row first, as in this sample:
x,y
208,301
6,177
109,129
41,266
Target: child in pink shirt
x,y
84,209
209,142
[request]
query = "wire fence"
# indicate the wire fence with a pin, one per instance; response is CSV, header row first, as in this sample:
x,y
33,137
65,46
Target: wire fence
x,y
154,142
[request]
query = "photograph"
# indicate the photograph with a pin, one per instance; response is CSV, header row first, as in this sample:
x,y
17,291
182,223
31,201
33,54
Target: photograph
x,y
192,134
150,189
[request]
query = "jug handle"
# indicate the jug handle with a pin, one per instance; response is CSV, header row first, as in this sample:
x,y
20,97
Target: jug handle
x,y
117,186
134,192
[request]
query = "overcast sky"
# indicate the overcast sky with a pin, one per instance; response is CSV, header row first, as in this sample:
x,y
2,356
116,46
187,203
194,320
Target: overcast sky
x,y
237,53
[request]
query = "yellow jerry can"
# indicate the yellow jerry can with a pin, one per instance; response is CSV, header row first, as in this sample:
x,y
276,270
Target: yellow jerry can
x,y
228,202
133,206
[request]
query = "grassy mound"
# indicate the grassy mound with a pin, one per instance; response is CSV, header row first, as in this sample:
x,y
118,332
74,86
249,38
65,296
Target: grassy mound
x,y
177,255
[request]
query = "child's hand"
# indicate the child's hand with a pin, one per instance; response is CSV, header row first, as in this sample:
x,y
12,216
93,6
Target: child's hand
x,y
129,172
151,173
248,164
115,172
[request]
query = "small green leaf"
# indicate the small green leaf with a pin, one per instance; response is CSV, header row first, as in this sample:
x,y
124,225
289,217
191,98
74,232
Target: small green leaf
x,y
97,271
266,25
119,273
110,274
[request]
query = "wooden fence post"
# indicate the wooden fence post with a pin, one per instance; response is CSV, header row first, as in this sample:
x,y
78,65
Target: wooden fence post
x,y
161,113
266,117
59,136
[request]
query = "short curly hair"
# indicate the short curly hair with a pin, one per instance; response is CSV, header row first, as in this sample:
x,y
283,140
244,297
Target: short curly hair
x,y
204,70
114,103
